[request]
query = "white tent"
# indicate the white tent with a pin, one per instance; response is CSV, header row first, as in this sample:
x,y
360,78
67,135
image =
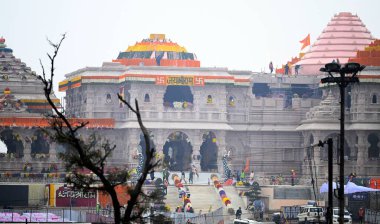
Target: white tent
x,y
349,188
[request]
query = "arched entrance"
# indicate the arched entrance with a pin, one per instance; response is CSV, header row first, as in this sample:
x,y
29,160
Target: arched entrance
x,y
373,149
177,151
178,97
13,142
40,144
335,138
209,152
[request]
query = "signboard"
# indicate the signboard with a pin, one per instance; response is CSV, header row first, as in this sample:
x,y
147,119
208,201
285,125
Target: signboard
x,y
181,80
359,196
68,197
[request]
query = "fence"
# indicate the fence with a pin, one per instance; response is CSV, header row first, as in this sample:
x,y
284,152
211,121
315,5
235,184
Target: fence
x,y
42,215
290,212
372,217
214,217
56,215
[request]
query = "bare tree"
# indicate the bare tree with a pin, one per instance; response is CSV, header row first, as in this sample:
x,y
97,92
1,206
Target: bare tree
x,y
92,153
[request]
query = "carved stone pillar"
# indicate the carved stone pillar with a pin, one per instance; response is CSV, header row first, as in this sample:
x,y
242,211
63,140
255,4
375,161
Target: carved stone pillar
x,y
362,147
27,150
134,142
53,152
196,102
196,144
196,156
221,143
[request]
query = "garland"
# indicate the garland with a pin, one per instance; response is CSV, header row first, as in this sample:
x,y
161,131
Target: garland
x,y
219,187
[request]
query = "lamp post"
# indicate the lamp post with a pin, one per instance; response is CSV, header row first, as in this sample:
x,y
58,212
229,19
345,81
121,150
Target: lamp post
x,y
342,81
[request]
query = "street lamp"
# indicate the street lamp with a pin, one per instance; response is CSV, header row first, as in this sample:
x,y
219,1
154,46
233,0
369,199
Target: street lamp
x,y
342,81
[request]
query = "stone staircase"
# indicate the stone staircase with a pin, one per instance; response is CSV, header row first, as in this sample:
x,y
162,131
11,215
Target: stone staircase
x,y
236,200
204,197
172,198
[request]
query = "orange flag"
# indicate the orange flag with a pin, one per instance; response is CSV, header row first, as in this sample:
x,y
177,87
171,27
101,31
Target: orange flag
x,y
305,42
246,168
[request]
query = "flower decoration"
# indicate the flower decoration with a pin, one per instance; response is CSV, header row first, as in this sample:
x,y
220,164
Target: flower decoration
x,y
223,196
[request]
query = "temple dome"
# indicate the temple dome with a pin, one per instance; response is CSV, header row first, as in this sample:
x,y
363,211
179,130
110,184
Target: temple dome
x,y
157,51
343,37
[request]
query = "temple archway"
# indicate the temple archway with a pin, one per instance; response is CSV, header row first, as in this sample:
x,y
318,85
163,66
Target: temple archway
x,y
13,143
40,144
373,149
335,138
179,97
177,151
209,152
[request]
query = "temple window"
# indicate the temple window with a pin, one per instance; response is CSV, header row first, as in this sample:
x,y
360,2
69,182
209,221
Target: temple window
x,y
209,99
147,98
374,99
231,101
178,97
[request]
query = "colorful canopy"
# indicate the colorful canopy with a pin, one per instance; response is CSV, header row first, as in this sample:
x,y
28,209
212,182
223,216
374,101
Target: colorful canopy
x,y
349,188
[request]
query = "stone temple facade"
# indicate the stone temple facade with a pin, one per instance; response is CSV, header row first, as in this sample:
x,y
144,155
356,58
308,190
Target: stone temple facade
x,y
197,114
23,107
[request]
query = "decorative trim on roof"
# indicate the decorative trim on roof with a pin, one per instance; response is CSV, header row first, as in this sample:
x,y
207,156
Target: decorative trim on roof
x,y
43,122
158,79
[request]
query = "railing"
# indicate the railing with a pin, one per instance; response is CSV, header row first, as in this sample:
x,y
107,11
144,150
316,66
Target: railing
x,y
51,215
181,115
371,216
208,218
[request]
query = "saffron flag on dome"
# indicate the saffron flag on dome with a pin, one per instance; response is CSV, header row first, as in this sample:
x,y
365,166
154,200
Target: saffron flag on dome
x,y
305,42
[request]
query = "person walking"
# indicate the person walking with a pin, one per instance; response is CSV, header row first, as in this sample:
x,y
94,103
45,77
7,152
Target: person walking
x,y
167,175
164,174
271,67
166,184
191,176
286,69
183,177
152,175
361,215
251,176
195,171
293,176
242,176
238,213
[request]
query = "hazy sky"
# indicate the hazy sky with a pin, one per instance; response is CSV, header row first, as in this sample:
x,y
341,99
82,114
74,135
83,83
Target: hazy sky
x,y
238,34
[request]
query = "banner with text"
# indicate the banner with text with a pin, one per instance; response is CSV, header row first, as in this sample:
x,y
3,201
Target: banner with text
x,y
173,80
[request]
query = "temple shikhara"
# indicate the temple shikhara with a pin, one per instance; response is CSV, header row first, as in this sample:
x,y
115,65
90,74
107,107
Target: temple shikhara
x,y
197,114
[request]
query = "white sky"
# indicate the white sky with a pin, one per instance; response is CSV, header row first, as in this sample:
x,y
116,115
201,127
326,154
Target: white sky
x,y
238,34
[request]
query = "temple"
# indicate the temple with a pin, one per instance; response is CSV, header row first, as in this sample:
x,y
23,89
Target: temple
x,y
23,107
197,114
343,37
